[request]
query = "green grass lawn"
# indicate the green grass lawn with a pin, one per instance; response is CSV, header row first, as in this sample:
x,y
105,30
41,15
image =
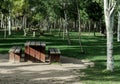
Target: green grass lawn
x,y
94,47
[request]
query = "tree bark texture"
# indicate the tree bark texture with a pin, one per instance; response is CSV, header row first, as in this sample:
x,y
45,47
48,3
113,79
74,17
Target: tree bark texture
x,y
118,30
81,48
24,25
65,27
9,25
109,7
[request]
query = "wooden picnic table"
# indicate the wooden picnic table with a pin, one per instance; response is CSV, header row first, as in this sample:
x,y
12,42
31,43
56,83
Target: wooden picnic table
x,y
35,51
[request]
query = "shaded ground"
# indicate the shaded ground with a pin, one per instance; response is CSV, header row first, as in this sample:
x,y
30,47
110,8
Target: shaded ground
x,y
67,72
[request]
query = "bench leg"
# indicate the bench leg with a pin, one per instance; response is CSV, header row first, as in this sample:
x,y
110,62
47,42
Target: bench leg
x,y
54,58
11,57
17,57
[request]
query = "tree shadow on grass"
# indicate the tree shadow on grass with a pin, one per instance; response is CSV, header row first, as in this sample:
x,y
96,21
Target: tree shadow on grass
x,y
98,73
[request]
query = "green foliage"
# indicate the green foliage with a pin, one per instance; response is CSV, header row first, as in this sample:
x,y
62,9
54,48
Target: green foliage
x,y
72,10
39,10
5,6
94,11
18,7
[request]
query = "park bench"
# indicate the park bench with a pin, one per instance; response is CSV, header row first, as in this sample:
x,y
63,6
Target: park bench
x,y
54,55
15,54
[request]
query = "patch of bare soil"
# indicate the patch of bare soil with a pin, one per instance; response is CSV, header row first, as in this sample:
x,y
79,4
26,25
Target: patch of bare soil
x,y
66,72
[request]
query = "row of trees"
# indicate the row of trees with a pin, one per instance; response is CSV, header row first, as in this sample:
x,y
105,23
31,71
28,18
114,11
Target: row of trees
x,y
64,15
52,14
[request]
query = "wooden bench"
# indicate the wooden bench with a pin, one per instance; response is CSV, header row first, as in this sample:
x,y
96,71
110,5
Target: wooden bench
x,y
54,55
15,54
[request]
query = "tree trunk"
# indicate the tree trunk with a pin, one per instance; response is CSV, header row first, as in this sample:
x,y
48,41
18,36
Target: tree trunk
x,y
118,30
63,29
24,25
9,25
84,26
60,26
75,25
109,28
79,31
2,22
66,28
109,8
100,27
5,28
95,28
89,26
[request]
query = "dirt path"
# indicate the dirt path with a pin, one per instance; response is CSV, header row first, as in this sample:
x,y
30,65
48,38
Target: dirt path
x,y
67,72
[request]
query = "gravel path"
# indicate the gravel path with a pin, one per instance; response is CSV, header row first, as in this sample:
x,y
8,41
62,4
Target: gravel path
x,y
67,72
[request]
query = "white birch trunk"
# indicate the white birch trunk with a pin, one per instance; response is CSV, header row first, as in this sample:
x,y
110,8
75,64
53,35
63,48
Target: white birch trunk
x,y
110,61
118,29
63,29
66,28
109,7
5,28
9,26
24,25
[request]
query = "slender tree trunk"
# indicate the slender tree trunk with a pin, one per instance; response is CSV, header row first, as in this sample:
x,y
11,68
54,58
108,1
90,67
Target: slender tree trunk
x,y
66,29
68,37
84,26
24,25
12,22
63,29
89,26
75,25
109,7
94,28
2,22
9,25
60,26
81,48
5,28
100,27
118,29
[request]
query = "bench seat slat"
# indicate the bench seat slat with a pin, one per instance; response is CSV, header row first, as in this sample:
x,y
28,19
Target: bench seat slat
x,y
57,51
37,43
27,43
42,44
32,43
52,51
18,50
12,49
